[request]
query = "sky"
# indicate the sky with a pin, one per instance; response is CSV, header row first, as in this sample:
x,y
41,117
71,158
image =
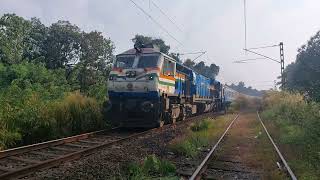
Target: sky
x,y
214,26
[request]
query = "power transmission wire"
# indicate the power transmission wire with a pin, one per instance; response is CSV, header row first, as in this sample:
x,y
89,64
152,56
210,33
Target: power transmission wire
x,y
155,21
163,13
245,60
200,52
262,55
263,47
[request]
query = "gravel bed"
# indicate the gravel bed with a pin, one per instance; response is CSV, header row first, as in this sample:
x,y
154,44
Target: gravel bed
x,y
108,162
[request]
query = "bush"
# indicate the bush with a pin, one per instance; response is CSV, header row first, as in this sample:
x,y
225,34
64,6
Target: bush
x,y
298,123
77,114
36,105
245,103
199,126
151,167
25,115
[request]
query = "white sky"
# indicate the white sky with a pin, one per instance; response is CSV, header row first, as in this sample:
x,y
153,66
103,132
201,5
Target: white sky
x,y
215,26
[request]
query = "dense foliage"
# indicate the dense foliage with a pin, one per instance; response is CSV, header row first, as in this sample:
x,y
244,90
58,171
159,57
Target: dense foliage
x,y
303,75
298,125
52,80
241,87
209,71
140,41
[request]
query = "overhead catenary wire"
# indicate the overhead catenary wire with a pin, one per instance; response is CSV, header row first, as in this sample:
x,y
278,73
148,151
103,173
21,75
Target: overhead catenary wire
x,y
245,60
263,47
200,52
262,55
163,13
155,21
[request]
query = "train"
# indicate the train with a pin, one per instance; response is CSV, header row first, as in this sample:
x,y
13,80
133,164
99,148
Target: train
x,y
147,89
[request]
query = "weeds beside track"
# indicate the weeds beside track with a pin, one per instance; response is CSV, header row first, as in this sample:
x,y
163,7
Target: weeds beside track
x,y
230,159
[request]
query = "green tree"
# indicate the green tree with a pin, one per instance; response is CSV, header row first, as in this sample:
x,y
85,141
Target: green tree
x,y
189,63
14,31
34,49
303,75
62,45
96,57
140,40
209,71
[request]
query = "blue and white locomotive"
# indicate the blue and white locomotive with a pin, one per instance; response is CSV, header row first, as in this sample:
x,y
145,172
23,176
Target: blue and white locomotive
x,y
148,88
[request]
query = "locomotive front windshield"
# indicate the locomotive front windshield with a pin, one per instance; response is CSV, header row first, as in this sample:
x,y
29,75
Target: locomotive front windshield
x,y
125,62
144,61
148,61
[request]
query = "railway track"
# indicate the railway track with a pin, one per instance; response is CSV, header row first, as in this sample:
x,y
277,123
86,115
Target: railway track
x,y
21,161
218,165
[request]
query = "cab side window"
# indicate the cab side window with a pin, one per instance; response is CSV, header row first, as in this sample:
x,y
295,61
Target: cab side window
x,y
168,67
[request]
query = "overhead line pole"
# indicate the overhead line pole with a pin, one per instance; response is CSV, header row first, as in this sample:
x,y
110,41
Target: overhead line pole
x,y
283,80
281,62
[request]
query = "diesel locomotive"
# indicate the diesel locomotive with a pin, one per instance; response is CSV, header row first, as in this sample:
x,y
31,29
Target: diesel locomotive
x,y
147,88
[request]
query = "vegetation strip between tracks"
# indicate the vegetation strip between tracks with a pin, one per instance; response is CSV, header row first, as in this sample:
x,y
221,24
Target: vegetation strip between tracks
x,y
293,177
198,171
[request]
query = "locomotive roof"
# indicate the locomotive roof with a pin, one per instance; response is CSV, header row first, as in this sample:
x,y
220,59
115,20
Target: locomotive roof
x,y
144,50
155,50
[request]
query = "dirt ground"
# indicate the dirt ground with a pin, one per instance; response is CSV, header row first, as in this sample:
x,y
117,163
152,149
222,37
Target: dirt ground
x,y
245,153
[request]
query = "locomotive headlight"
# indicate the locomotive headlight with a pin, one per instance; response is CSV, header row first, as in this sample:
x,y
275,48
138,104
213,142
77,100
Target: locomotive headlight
x,y
146,106
112,78
151,77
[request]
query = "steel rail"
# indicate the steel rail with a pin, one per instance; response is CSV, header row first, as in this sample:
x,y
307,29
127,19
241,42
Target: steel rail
x,y
32,147
198,171
293,177
20,172
56,161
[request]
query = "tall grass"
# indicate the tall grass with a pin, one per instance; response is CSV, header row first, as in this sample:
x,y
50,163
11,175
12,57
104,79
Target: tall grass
x,y
30,119
298,124
151,168
76,114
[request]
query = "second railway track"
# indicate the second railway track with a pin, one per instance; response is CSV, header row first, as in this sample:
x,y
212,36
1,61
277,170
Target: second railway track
x,y
21,161
227,160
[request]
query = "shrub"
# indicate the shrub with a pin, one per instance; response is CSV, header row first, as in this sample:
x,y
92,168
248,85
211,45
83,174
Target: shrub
x,y
7,138
35,106
298,123
77,114
184,147
24,114
199,126
245,103
151,167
